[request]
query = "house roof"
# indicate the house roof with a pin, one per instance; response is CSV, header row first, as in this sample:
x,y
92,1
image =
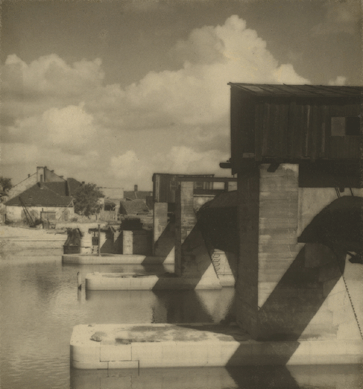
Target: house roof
x,y
140,194
310,91
73,185
134,206
42,195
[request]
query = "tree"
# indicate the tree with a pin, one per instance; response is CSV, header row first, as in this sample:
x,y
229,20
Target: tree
x,y
5,183
86,199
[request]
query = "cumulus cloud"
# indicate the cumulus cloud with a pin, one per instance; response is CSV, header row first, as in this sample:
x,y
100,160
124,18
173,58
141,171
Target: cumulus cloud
x,y
70,129
129,167
50,75
340,80
63,106
182,159
341,17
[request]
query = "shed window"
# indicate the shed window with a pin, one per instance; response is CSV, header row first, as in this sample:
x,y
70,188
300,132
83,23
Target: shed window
x,y
345,126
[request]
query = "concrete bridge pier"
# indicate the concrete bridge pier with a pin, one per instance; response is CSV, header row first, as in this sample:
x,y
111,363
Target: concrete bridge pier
x,y
288,290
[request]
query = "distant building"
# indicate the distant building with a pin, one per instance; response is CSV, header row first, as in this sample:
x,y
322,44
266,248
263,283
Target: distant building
x,y
137,194
43,195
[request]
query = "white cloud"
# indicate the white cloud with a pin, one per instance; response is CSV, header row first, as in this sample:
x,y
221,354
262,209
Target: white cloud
x,y
340,80
69,128
185,160
129,169
51,75
341,17
68,110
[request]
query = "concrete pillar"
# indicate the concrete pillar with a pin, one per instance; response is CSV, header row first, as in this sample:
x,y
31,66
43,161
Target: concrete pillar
x,y
248,226
286,289
185,220
268,221
232,185
160,222
127,242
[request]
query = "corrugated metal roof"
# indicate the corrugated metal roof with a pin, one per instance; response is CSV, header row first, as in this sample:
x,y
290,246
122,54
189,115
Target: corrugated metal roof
x,y
311,91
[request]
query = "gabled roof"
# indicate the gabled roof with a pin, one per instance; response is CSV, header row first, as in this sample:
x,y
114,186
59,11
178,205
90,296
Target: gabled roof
x,y
305,91
73,185
140,194
58,187
42,195
133,207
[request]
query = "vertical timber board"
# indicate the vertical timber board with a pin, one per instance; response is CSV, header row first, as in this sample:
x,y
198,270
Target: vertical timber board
x,y
247,279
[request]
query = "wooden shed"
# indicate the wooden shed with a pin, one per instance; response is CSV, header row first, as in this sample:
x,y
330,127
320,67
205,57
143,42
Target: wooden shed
x,y
292,123
297,151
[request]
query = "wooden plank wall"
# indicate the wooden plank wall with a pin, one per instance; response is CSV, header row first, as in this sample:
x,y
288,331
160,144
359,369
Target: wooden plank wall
x,y
242,127
298,130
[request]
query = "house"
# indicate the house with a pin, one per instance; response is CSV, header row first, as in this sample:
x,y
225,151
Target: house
x,y
111,203
42,174
43,195
3,198
133,207
137,194
296,150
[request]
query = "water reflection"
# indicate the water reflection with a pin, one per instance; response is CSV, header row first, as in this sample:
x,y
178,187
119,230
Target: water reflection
x,y
317,377
40,307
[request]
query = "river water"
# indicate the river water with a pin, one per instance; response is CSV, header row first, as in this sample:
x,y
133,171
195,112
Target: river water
x,y
40,305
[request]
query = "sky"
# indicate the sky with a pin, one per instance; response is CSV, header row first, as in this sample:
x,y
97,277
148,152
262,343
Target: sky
x,y
110,92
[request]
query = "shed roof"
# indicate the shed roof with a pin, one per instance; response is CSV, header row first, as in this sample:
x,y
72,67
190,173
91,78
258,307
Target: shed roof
x,y
304,91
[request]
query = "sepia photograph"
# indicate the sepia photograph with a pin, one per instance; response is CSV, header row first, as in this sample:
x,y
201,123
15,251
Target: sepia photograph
x,y
181,194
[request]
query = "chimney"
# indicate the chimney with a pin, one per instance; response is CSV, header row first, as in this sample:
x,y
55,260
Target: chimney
x,y
40,173
135,188
28,175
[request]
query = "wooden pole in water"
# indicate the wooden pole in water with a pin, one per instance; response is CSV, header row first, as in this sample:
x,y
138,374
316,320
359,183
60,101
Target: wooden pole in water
x,y
99,240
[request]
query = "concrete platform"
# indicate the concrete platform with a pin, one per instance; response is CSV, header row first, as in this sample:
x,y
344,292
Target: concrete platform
x,y
247,377
127,281
112,259
112,346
